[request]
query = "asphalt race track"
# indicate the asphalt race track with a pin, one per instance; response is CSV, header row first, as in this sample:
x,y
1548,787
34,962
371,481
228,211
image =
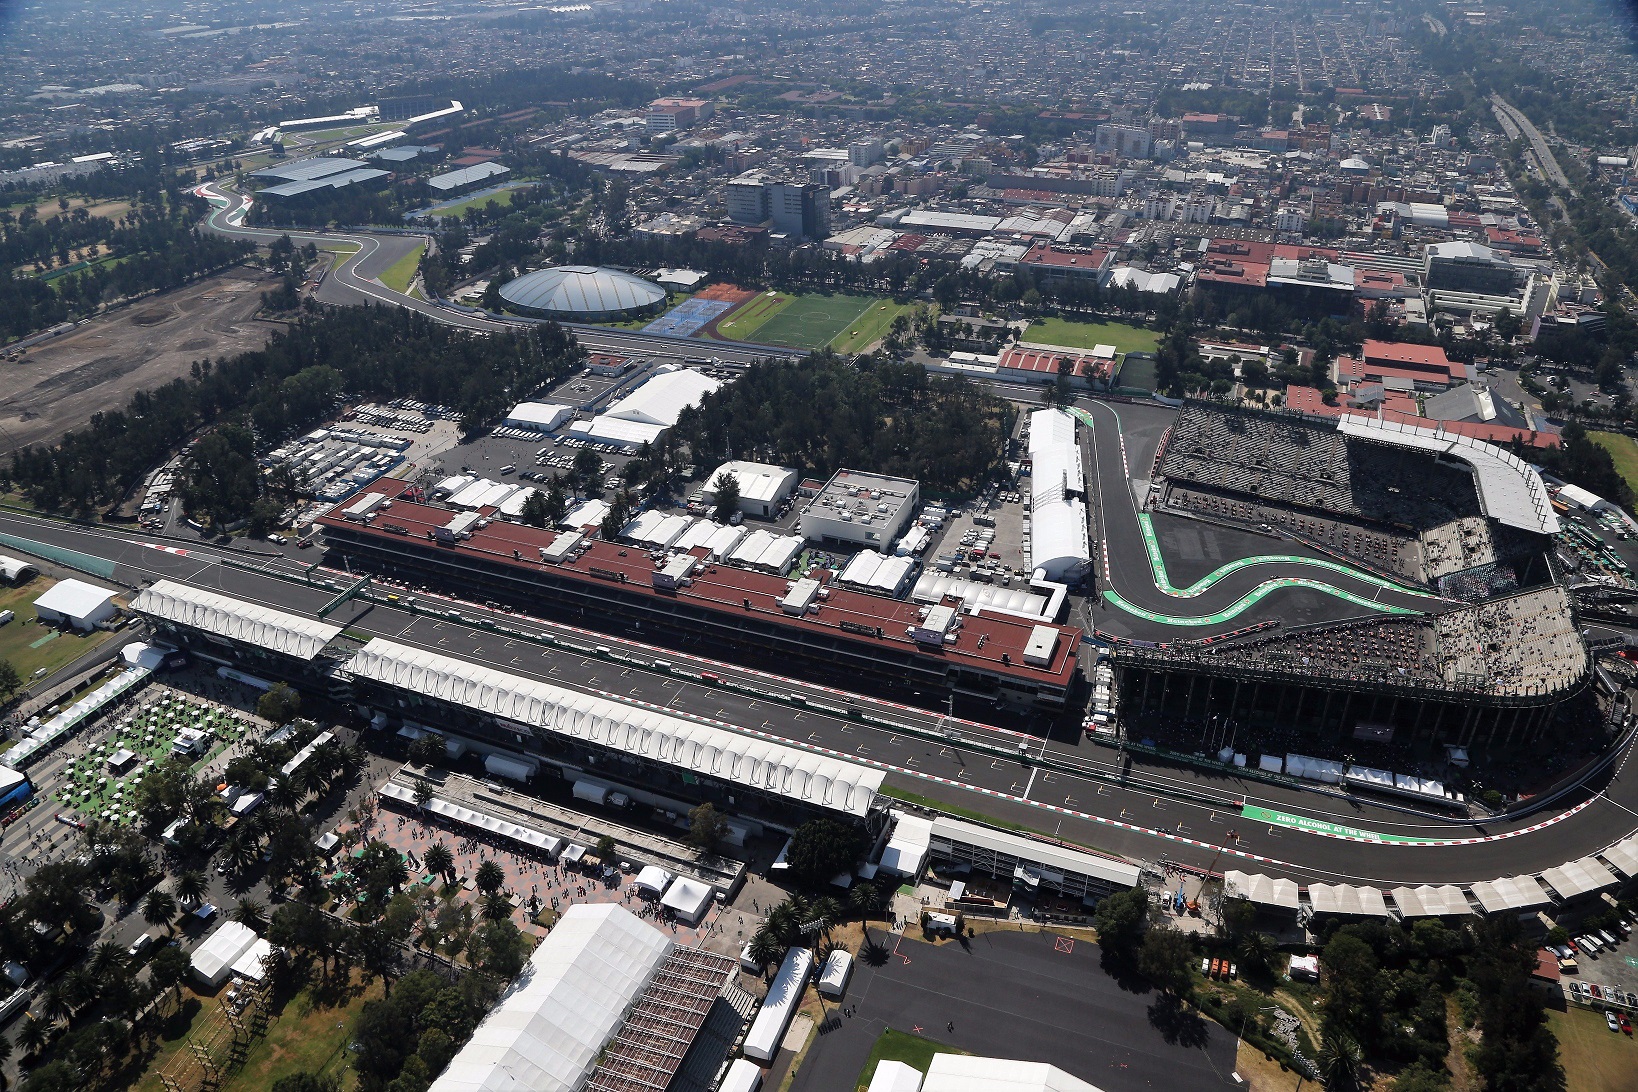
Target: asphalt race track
x,y
352,280
1146,559
1159,812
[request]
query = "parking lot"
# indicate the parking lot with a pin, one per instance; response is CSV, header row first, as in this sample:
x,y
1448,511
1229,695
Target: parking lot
x,y
1608,976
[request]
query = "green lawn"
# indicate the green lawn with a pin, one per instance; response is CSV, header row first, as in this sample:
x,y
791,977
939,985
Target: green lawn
x,y
750,316
870,327
901,1046
1595,1058
812,321
1088,335
1624,450
30,646
503,199
398,275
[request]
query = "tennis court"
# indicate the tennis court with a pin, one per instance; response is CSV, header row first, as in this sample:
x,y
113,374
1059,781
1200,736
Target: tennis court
x,y
688,317
811,322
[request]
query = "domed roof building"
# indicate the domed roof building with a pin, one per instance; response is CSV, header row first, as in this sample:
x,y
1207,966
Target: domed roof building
x,y
582,293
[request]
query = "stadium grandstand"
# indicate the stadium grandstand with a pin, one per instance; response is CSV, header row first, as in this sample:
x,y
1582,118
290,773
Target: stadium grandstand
x,y
1490,660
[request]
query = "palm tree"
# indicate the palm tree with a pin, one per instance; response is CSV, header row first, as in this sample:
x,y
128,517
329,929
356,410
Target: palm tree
x,y
1257,950
439,860
106,958
54,1003
159,908
764,949
79,987
250,912
5,1050
828,912
496,907
191,886
35,1034
1339,1062
242,851
866,898
489,878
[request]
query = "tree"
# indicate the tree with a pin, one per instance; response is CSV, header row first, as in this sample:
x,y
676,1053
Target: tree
x,y
490,877
1352,1002
280,705
534,509
35,1034
822,849
250,912
502,949
1339,1062
10,680
307,1082
606,849
496,907
588,464
439,860
169,968
1120,921
1164,960
191,886
765,948
427,751
159,908
1257,950
707,827
727,497
556,505
866,898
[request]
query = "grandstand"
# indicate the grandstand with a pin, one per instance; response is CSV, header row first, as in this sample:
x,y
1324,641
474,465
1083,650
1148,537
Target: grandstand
x,y
1414,505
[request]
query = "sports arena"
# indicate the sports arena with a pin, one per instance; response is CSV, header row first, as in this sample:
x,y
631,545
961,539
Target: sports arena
x,y
1340,577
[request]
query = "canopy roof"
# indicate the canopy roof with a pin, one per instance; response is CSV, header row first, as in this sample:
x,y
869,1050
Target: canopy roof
x,y
235,619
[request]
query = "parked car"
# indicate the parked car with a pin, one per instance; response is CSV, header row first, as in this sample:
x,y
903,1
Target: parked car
x,y
1609,1018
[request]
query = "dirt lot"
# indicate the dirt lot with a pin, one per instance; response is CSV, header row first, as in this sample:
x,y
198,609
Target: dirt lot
x,y
61,383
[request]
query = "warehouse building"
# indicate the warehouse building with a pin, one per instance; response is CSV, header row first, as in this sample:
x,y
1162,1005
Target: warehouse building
x,y
307,178
538,416
644,415
76,604
762,487
455,182
856,508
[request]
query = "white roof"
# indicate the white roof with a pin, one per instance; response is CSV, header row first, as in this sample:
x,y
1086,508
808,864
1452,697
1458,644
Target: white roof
x,y
213,958
1510,489
1109,869
470,494
1340,898
724,540
752,547
662,399
716,752
963,1073
13,567
932,586
743,1076
784,995
654,878
235,619
616,430
1260,889
894,1076
1058,530
1581,877
1624,856
73,598
1058,539
249,964
688,898
1510,893
586,514
1437,901
907,848
1586,498
757,481
549,1028
544,415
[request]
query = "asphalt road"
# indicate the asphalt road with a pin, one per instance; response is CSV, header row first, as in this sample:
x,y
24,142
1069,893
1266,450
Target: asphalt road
x,y
1020,995
1156,813
353,280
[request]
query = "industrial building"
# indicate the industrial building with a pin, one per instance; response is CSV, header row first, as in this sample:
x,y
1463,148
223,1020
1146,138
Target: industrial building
x,y
852,638
455,182
583,293
856,508
762,487
538,416
306,178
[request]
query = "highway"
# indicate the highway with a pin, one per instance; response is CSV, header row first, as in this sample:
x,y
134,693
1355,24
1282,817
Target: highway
x,y
1068,789
353,279
1506,112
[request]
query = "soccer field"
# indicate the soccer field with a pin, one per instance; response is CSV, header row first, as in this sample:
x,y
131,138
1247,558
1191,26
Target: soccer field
x,y
869,328
811,322
746,319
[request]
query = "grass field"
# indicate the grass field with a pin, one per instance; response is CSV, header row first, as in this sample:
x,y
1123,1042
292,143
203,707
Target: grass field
x,y
30,646
1088,335
750,316
869,328
305,1036
398,275
1595,1058
901,1046
811,322
1624,450
503,199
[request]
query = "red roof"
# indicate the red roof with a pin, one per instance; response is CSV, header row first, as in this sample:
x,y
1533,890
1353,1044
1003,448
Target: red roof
x,y
1045,362
1045,254
1407,355
982,641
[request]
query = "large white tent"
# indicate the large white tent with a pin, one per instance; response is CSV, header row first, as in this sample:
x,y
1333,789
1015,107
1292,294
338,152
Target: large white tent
x,y
549,1028
213,960
235,619
961,1073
